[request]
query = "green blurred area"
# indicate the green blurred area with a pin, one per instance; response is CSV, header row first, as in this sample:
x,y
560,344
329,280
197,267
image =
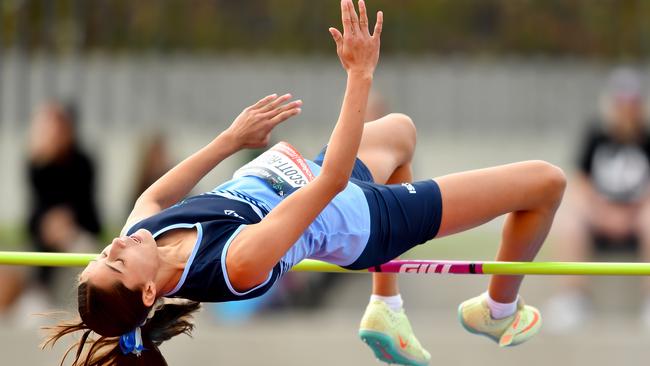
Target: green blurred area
x,y
607,29
12,237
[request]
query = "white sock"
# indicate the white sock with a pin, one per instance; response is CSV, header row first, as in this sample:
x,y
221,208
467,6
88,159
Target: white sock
x,y
499,310
395,302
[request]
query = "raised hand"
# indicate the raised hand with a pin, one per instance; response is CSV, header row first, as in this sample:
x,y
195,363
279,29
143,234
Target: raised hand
x,y
358,50
252,128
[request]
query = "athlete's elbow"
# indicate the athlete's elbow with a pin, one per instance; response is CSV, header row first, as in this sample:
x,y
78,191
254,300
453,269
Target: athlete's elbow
x,y
334,183
339,185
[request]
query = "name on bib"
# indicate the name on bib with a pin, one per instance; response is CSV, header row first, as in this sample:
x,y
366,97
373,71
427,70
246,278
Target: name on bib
x,y
281,167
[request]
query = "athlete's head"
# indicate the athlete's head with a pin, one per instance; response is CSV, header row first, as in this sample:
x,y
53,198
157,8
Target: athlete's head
x,y
131,261
117,300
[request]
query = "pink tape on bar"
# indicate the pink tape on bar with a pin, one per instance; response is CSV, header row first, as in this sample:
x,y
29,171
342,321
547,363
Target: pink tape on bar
x,y
424,266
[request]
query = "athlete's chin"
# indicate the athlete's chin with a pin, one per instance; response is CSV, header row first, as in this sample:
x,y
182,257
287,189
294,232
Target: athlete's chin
x,y
147,237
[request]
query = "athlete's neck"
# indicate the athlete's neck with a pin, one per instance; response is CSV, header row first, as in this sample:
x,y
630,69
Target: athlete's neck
x,y
174,249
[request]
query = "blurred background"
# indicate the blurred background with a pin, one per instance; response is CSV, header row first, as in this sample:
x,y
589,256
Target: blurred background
x,y
99,98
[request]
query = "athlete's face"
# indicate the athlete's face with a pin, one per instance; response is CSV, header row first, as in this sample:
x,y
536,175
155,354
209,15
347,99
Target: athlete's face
x,y
132,260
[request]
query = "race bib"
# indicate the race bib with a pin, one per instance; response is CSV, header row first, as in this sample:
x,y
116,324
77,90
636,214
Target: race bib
x,y
281,167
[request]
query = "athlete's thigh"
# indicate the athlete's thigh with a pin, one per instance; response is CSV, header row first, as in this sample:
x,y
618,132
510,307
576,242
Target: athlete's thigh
x,y
387,144
474,197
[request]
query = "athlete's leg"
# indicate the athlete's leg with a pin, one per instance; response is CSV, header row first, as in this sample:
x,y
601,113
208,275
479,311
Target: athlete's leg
x,y
529,192
385,284
387,148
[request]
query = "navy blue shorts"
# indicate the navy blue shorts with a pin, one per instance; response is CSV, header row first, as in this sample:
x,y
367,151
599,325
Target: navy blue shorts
x,y
401,215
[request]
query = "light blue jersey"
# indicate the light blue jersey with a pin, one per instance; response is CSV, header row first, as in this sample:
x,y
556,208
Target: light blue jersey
x,y
365,225
338,235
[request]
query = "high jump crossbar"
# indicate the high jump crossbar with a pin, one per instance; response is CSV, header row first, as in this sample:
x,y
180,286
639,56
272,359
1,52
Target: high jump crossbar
x,y
396,266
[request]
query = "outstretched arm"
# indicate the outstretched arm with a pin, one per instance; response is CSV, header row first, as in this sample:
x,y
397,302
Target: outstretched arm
x,y
251,129
258,248
358,51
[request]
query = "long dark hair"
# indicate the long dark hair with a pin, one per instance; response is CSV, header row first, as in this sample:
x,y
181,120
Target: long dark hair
x,y
112,312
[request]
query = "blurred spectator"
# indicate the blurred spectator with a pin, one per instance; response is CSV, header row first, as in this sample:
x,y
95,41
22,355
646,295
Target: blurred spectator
x,y
61,177
61,181
608,207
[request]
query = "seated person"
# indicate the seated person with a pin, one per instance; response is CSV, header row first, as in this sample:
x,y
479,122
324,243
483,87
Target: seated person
x,y
609,202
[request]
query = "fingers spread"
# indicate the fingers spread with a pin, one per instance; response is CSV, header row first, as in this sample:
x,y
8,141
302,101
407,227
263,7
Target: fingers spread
x,y
284,116
275,103
285,107
264,101
363,17
379,25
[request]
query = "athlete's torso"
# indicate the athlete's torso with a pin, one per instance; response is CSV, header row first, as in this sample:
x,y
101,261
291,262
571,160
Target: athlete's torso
x,y
338,235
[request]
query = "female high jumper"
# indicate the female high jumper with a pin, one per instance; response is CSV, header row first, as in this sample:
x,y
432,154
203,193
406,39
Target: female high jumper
x,y
353,206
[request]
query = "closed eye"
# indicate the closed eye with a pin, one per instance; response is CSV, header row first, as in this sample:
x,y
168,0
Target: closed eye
x,y
112,268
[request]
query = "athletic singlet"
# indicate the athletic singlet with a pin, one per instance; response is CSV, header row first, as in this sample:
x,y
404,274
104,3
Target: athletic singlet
x,y
338,235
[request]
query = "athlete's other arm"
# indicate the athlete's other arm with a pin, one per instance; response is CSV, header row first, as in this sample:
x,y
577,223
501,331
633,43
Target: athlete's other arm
x,y
258,248
251,129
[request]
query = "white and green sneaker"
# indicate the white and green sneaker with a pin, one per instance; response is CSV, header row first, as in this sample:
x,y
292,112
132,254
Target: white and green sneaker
x,y
389,335
475,317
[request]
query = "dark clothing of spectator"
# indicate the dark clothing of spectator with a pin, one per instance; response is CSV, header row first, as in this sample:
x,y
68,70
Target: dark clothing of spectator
x,y
620,171
66,182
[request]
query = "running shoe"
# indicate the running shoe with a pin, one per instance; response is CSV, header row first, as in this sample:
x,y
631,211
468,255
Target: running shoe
x,y
475,317
388,333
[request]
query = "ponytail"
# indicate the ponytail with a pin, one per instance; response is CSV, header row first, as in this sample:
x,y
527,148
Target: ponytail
x,y
166,319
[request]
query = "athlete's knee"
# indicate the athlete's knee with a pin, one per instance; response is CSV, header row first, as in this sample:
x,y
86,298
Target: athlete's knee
x,y
405,123
552,180
407,131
